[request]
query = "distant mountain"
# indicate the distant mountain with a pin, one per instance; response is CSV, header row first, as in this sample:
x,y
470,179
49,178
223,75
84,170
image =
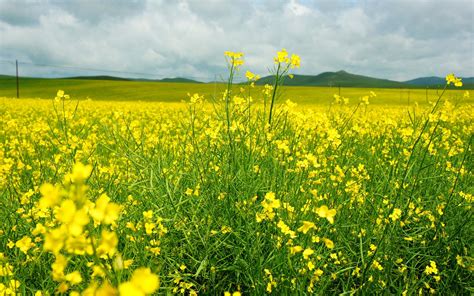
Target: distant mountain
x,y
340,78
424,81
99,77
436,81
106,77
179,80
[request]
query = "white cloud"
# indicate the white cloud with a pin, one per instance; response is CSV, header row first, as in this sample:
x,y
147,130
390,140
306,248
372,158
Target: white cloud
x,y
390,39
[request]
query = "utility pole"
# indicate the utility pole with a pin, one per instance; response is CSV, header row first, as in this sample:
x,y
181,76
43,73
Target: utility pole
x,y
17,82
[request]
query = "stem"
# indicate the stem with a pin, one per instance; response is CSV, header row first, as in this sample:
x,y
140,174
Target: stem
x,y
275,86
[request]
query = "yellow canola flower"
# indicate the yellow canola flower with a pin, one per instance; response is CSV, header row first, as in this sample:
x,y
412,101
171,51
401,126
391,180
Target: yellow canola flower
x,y
50,196
60,95
105,211
143,282
396,214
451,78
329,243
74,277
325,212
236,293
307,252
24,244
281,57
307,225
432,268
295,61
74,219
108,243
80,173
236,58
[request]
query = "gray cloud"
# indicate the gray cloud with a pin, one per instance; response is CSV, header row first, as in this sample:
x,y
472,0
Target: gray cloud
x,y
390,39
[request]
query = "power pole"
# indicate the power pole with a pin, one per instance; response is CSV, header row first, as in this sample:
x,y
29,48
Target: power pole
x,y
17,82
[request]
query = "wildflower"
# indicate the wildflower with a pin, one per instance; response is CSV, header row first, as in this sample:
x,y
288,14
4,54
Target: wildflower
x,y
281,57
295,61
60,95
148,214
450,78
307,252
236,293
377,265
143,282
307,225
24,244
396,214
329,243
80,173
235,58
105,211
325,212
50,196
432,268
251,76
295,249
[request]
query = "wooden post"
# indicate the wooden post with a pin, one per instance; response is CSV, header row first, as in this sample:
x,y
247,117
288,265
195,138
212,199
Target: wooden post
x,y
17,82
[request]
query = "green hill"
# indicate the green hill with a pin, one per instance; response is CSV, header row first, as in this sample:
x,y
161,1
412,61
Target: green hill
x,y
179,80
340,78
99,77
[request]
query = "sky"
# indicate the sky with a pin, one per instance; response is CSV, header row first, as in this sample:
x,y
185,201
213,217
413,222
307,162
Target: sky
x,y
397,40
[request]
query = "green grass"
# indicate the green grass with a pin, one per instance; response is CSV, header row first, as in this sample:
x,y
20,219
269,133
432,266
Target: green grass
x,y
176,92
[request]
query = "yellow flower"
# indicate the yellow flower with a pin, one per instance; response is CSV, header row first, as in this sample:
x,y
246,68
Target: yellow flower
x,y
295,61
396,214
74,277
50,196
295,249
130,289
108,243
329,243
54,240
236,293
24,244
432,268
325,212
307,225
451,78
235,58
281,57
74,219
148,214
143,282
80,173
105,211
307,252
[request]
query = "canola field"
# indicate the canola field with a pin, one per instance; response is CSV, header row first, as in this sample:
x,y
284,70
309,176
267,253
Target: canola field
x,y
239,195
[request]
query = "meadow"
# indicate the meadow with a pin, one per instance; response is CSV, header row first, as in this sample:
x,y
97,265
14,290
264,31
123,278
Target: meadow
x,y
239,191
110,90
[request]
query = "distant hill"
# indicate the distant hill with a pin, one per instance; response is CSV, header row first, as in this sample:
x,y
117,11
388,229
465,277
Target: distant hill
x,y
331,79
179,80
340,78
114,78
100,77
468,82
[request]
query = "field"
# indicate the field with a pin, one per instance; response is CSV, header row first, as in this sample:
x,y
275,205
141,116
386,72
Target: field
x,y
235,194
82,89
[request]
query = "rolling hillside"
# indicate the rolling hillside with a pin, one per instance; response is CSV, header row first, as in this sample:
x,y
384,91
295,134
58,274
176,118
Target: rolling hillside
x,y
340,78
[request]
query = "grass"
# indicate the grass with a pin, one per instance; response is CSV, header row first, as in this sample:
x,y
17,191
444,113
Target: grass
x,y
213,197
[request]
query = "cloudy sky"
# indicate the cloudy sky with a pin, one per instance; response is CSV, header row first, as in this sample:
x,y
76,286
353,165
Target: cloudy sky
x,y
389,39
